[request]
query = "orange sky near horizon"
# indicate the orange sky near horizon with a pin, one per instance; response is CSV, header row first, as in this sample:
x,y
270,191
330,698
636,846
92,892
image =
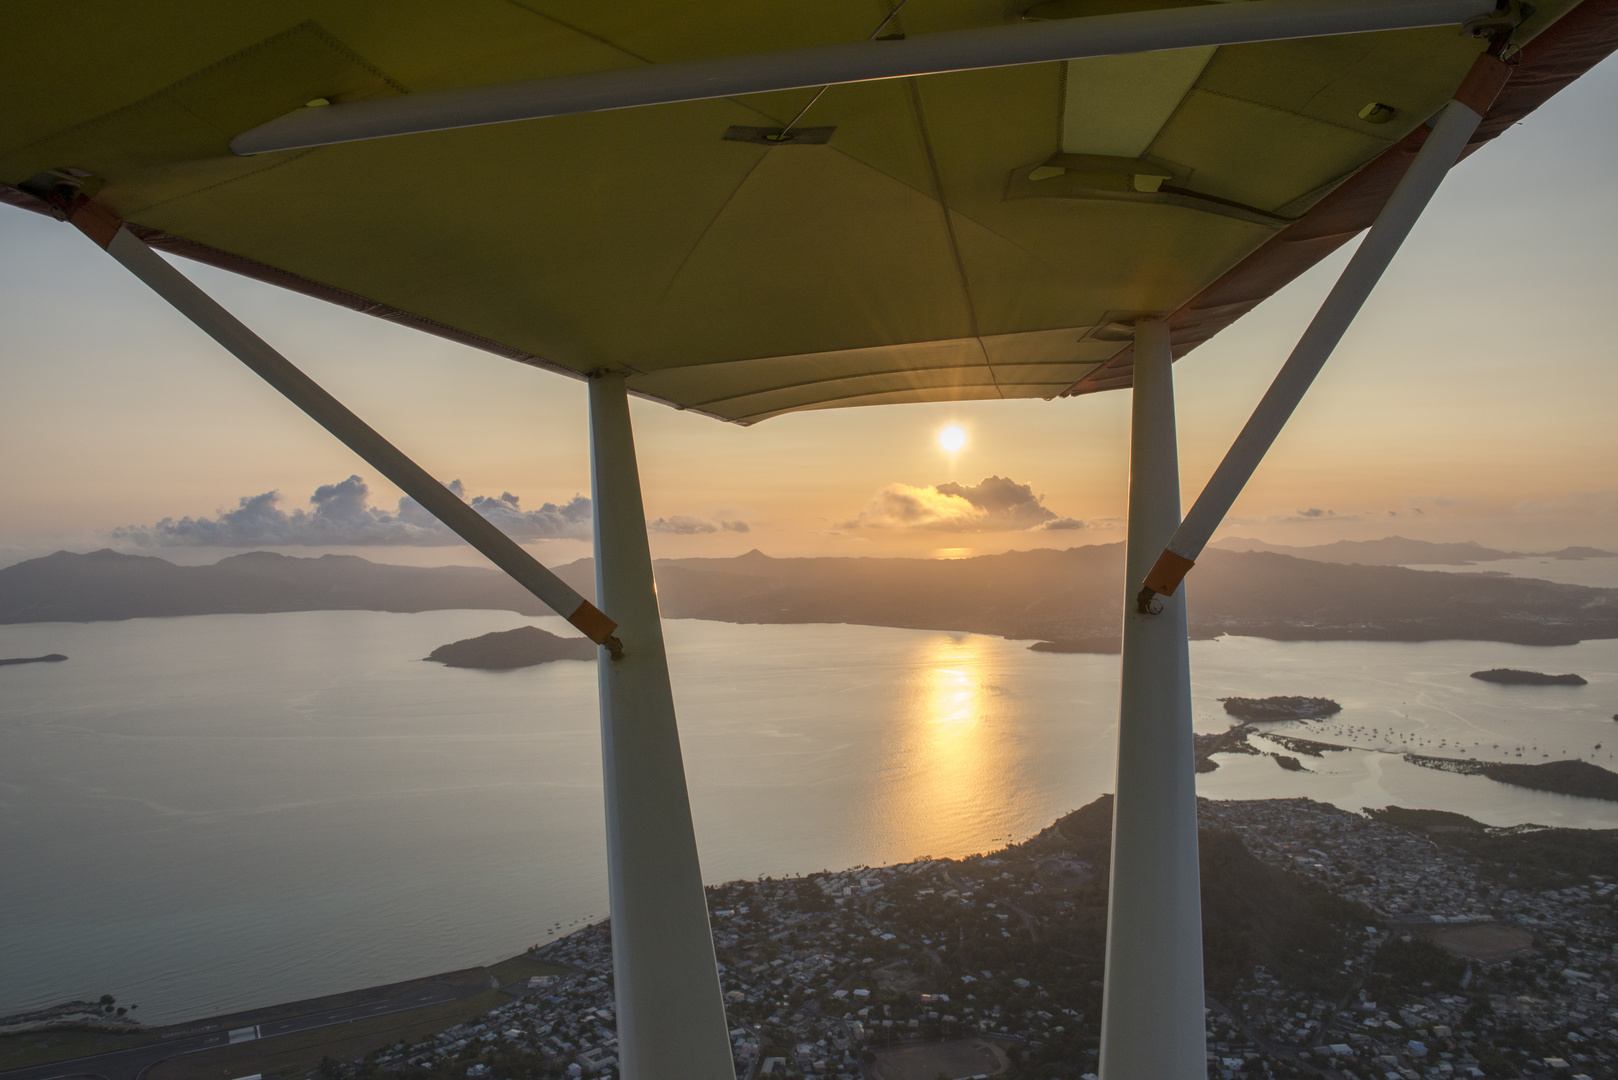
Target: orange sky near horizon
x,y
1472,400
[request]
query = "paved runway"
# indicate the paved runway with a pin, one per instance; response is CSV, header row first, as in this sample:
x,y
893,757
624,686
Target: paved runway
x,y
132,1063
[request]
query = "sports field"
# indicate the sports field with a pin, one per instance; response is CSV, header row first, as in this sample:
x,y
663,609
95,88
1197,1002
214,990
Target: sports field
x,y
925,1061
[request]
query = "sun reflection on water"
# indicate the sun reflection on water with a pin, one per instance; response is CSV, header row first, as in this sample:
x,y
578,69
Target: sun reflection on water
x,y
947,764
954,696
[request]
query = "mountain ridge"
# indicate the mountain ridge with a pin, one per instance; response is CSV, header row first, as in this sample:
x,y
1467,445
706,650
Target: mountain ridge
x,y
1403,551
1042,594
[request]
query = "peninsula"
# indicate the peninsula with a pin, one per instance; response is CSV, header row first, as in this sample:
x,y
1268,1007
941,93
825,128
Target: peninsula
x,y
1402,551
1581,778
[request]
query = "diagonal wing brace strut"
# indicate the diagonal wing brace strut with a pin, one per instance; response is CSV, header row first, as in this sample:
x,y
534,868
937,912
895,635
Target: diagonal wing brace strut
x,y
1445,142
109,232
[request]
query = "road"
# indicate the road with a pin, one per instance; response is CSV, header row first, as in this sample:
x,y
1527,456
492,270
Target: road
x,y
131,1064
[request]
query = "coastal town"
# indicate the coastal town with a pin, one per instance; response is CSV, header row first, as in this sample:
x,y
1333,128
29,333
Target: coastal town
x,y
1375,946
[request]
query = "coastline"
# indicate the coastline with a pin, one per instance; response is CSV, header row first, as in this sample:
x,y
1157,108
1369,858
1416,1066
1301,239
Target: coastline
x,y
1454,891
434,778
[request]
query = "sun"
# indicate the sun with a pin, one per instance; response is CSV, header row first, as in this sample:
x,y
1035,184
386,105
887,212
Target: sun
x,y
952,439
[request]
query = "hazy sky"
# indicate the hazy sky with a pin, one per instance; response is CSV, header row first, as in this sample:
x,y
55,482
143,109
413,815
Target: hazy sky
x,y
1474,399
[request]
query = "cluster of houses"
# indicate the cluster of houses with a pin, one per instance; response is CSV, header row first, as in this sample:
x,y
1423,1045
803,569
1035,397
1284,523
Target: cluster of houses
x,y
1534,965
824,975
1390,870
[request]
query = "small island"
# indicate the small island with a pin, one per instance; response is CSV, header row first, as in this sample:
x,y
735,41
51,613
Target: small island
x,y
505,650
1273,709
1575,554
49,658
1100,645
1513,677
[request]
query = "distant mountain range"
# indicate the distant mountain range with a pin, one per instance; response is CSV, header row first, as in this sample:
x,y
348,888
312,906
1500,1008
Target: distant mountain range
x,y
1073,595
103,585
1399,551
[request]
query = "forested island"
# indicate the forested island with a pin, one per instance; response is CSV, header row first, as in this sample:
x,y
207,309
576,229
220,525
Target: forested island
x,y
505,650
49,658
1274,709
1106,645
1513,677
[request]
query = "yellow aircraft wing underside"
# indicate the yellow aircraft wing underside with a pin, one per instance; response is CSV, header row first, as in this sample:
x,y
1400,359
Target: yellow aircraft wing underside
x,y
956,236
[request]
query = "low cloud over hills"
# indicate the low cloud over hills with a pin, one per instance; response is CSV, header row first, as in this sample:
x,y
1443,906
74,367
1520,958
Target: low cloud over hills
x,y
342,516
994,504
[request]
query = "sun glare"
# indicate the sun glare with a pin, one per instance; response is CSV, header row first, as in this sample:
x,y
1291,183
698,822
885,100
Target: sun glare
x,y
952,439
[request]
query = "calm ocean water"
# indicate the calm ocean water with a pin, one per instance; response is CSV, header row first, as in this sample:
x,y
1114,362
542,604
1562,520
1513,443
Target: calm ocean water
x,y
218,812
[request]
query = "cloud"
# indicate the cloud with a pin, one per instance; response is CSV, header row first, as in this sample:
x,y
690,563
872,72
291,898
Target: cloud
x,y
686,525
681,525
569,521
995,504
342,516
900,506
1312,514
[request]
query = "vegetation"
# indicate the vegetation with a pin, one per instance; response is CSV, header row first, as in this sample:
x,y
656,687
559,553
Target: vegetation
x,y
1407,964
503,650
1514,677
1281,708
1582,778
1257,914
1525,855
1563,777
1425,820
1253,913
27,1049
